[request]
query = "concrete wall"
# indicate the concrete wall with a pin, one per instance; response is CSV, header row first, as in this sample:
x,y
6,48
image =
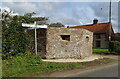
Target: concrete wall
x,y
103,40
79,46
51,45
41,41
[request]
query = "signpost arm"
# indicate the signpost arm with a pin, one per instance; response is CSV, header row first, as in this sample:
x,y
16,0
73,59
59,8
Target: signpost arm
x,y
35,26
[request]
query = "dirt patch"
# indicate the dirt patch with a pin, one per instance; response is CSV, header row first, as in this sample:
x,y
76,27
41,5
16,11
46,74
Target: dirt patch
x,y
83,67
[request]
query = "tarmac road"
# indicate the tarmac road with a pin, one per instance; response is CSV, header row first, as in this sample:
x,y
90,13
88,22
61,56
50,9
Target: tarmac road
x,y
107,71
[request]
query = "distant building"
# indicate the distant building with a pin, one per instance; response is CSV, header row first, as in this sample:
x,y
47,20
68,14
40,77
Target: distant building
x,y
102,33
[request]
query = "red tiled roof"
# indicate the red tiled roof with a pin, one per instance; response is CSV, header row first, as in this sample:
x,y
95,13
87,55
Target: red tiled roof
x,y
96,28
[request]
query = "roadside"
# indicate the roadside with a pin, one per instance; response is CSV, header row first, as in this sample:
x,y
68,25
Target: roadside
x,y
97,63
31,65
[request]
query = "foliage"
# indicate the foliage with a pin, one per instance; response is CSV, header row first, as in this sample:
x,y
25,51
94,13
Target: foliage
x,y
114,46
27,18
56,25
100,50
14,38
23,65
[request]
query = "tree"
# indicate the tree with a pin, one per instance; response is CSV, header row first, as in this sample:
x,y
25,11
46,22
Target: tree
x,y
56,25
14,39
27,18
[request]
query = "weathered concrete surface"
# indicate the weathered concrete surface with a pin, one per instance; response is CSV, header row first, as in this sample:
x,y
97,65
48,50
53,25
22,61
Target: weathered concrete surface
x,y
42,38
62,43
86,59
79,46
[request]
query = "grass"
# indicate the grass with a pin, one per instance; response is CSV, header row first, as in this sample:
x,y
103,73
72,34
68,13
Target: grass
x,y
0,66
100,50
28,65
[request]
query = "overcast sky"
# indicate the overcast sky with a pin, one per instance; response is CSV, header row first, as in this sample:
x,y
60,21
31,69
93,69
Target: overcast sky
x,y
68,13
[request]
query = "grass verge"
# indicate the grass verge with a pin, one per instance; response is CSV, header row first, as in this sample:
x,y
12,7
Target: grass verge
x,y
24,65
100,50
28,65
0,66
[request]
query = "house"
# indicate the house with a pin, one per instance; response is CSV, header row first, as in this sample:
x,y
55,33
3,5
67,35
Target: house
x,y
54,43
102,33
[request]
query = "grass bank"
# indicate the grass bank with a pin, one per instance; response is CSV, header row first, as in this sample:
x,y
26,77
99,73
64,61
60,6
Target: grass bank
x,y
24,65
27,65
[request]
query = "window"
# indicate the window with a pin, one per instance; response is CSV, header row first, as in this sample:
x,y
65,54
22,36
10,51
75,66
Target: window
x,y
98,43
87,38
98,36
65,37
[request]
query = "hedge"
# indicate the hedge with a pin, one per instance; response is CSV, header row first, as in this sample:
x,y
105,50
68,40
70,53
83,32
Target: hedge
x,y
114,46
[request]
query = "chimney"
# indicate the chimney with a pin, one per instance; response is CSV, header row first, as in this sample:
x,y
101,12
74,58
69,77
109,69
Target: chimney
x,y
67,26
95,21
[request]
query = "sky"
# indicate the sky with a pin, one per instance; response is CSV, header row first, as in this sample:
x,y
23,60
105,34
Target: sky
x,y
66,12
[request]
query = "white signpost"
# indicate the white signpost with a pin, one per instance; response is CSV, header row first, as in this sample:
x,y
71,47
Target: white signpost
x,y
35,26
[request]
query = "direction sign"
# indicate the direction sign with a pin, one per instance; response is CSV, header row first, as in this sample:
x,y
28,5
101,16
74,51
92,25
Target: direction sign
x,y
33,25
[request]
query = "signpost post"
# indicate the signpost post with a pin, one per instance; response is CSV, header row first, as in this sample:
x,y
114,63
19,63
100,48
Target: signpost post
x,y
34,26
35,38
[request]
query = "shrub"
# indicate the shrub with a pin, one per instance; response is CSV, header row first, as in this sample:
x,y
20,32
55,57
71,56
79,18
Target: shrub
x,y
14,41
114,46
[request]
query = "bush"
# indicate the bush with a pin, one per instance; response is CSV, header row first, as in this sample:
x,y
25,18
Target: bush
x,y
15,40
114,46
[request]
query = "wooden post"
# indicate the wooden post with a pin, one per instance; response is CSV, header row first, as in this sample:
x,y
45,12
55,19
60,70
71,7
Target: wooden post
x,y
35,37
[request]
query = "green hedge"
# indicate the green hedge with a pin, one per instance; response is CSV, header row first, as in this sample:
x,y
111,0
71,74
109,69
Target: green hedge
x,y
114,46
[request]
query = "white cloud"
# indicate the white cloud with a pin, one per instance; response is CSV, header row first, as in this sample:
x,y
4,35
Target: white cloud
x,y
59,0
6,8
21,7
65,13
49,6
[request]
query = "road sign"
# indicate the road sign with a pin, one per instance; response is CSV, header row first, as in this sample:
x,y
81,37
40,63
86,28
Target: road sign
x,y
35,26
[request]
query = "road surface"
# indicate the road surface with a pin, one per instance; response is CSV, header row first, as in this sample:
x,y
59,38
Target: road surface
x,y
107,71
